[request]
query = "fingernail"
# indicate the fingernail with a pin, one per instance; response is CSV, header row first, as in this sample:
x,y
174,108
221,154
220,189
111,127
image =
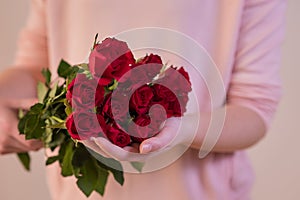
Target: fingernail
x,y
146,148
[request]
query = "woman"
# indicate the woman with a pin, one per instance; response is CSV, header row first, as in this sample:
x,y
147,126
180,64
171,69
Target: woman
x,y
242,36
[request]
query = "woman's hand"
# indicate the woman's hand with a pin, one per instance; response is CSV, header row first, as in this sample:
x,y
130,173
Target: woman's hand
x,y
170,136
106,148
10,139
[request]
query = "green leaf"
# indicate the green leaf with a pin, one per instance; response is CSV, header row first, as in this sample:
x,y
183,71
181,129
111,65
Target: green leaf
x,y
137,165
74,73
68,109
25,160
118,175
47,75
31,124
53,90
64,69
101,180
34,127
88,181
77,172
41,91
66,165
36,109
21,124
81,155
57,139
110,164
47,137
51,160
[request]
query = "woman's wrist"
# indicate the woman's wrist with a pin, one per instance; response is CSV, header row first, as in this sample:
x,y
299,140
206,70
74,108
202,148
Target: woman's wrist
x,y
19,83
239,128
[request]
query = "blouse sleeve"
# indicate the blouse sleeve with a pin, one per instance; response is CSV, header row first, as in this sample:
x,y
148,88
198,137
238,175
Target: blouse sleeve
x,y
255,81
32,44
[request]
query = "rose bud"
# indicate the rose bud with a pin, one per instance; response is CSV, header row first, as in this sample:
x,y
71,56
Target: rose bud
x,y
84,125
117,136
166,98
177,80
140,130
116,109
141,99
110,60
146,69
84,93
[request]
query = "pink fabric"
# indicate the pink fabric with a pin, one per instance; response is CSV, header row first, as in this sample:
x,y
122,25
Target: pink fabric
x,y
243,38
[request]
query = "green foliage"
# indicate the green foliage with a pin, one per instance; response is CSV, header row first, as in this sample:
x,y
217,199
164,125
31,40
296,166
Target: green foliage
x,y
51,160
65,70
111,165
46,121
25,160
32,125
41,91
66,154
47,75
137,165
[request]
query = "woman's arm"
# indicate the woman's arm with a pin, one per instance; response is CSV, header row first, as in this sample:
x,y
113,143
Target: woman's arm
x,y
254,90
241,129
18,83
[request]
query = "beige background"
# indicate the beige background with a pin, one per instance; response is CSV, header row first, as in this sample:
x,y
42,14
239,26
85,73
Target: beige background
x,y
276,159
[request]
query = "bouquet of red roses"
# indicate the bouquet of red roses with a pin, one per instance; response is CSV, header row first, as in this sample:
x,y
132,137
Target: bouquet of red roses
x,y
113,96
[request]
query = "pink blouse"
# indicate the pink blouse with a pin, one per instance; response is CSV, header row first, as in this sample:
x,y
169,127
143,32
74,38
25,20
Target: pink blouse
x,y
242,36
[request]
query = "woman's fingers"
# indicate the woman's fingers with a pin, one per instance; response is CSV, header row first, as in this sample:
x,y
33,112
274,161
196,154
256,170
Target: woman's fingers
x,y
11,145
137,152
118,153
35,144
10,139
95,146
163,139
30,145
131,149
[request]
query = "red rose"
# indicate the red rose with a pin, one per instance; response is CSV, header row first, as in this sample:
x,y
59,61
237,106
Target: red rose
x,y
141,99
116,109
174,109
72,128
162,93
152,58
117,136
83,125
184,74
171,91
158,116
140,129
166,98
110,60
84,93
148,67
177,80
